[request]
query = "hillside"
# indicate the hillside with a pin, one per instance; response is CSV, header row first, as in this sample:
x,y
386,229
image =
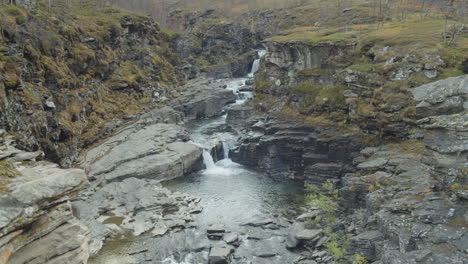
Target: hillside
x,y
72,74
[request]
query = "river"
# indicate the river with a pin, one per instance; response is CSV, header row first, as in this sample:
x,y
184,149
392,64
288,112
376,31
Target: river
x,y
232,197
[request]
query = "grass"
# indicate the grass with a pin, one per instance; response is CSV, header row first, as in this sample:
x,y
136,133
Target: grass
x,y
317,94
326,198
7,171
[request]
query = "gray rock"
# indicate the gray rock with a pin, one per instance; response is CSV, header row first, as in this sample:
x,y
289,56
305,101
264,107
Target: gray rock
x,y
231,238
439,91
291,239
308,234
373,164
364,244
220,255
45,181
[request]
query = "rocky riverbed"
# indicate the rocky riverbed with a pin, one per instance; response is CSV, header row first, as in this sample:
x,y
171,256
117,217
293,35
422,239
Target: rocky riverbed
x,y
209,179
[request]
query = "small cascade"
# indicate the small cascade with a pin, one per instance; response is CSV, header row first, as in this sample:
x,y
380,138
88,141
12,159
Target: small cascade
x,y
226,150
256,63
208,160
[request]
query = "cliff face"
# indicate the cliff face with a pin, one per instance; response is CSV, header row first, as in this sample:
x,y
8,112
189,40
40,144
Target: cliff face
x,y
219,47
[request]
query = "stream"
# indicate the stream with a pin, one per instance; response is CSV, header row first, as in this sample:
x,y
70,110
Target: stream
x,y
234,198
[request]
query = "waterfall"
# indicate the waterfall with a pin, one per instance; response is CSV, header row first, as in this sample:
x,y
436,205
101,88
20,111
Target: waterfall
x,y
208,160
226,150
256,63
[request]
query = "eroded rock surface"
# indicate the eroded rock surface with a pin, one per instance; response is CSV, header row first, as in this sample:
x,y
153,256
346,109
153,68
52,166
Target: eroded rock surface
x,y
36,220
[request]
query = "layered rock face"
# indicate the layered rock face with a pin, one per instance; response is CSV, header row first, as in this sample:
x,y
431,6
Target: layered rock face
x,y
221,48
291,150
415,192
36,220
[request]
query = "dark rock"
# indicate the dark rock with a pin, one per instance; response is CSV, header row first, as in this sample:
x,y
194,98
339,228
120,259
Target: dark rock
x,y
364,244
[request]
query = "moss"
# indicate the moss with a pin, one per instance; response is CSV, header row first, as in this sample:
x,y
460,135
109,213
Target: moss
x,y
260,82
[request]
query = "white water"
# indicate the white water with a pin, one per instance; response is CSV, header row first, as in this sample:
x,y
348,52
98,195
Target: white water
x,y
235,85
256,63
208,160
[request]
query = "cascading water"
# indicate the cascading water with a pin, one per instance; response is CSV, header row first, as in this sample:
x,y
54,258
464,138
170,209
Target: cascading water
x,y
208,160
256,63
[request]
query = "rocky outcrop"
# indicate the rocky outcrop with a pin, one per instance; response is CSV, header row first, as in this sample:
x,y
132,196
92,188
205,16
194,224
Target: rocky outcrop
x,y
36,220
443,97
415,191
297,56
219,47
154,146
292,150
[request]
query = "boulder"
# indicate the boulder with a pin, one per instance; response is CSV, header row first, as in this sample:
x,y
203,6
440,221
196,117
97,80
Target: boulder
x,y
364,244
442,97
220,255
308,234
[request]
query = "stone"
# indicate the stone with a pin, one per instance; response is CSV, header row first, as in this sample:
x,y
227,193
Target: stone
x,y
220,255
215,229
215,236
50,105
291,239
159,231
27,156
439,91
373,164
231,238
308,216
308,234
364,244
45,181
266,255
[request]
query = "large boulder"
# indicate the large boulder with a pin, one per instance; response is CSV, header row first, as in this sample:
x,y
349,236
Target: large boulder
x,y
442,97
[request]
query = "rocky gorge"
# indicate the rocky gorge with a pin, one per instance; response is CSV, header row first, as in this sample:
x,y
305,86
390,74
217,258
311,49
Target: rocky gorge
x,y
323,151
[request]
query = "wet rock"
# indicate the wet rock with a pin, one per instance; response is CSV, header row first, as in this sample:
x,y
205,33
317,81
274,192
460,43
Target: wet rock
x,y
231,238
220,255
215,229
258,222
159,231
266,255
